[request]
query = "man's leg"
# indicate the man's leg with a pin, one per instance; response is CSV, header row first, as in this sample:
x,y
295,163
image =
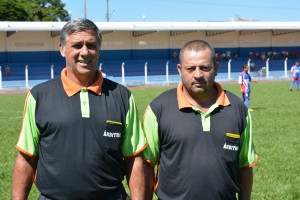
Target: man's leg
x,y
246,99
297,84
292,85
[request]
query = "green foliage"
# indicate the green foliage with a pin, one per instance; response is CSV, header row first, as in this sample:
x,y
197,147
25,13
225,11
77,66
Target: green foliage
x,y
13,10
33,10
275,133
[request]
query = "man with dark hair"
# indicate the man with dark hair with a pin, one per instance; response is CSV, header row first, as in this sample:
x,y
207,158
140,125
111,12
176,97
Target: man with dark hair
x,y
244,83
199,134
81,133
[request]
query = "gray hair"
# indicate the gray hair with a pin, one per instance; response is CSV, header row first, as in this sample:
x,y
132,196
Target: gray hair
x,y
78,25
197,45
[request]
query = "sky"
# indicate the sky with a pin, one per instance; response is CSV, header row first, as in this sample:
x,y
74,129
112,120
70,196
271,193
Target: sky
x,y
184,10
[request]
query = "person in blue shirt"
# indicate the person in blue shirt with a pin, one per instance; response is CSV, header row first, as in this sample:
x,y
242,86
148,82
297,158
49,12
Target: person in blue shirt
x,y
295,74
244,82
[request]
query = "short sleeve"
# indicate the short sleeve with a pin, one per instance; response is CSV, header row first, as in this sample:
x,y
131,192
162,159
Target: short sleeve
x,y
150,126
134,140
247,155
240,81
28,142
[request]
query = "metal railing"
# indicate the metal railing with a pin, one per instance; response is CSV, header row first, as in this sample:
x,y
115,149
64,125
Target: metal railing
x,y
263,72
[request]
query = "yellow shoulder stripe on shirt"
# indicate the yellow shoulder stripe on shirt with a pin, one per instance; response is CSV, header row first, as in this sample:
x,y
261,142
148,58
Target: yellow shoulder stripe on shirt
x,y
233,135
113,122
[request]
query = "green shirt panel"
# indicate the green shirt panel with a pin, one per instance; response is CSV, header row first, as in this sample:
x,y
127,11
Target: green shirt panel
x,y
247,151
150,128
84,103
134,139
30,135
205,117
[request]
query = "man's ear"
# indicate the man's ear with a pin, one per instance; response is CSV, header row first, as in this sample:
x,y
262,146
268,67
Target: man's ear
x,y
216,68
179,69
62,49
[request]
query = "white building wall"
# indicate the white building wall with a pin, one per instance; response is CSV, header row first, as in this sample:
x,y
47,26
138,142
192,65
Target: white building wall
x,y
177,41
293,39
224,40
29,41
2,41
123,40
55,43
263,39
117,40
156,40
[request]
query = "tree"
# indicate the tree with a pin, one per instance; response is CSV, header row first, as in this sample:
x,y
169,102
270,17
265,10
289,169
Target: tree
x,y
47,10
33,10
13,10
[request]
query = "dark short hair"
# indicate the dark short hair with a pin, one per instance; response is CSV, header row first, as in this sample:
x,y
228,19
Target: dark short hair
x,y
197,45
78,25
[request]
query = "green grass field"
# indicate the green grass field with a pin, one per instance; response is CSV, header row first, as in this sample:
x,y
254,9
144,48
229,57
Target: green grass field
x,y
276,125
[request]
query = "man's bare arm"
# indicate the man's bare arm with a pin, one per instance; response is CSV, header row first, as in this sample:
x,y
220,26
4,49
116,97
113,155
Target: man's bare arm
x,y
23,176
139,187
150,179
246,181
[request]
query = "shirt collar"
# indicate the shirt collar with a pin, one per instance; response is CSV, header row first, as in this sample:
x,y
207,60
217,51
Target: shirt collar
x,y
222,99
71,88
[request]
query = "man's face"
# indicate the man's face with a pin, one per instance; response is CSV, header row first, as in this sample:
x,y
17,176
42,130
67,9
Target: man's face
x,y
197,71
81,52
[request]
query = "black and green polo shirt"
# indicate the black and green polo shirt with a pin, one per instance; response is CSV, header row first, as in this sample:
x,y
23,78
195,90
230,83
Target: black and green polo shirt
x,y
80,136
199,154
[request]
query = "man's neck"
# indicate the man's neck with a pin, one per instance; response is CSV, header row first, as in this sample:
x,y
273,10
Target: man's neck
x,y
84,81
202,101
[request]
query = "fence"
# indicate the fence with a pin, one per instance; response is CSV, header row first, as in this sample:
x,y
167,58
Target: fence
x,y
134,74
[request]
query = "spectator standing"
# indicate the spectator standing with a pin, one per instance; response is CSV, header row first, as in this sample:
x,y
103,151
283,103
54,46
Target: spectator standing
x,y
252,67
175,56
263,57
7,70
256,55
251,55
